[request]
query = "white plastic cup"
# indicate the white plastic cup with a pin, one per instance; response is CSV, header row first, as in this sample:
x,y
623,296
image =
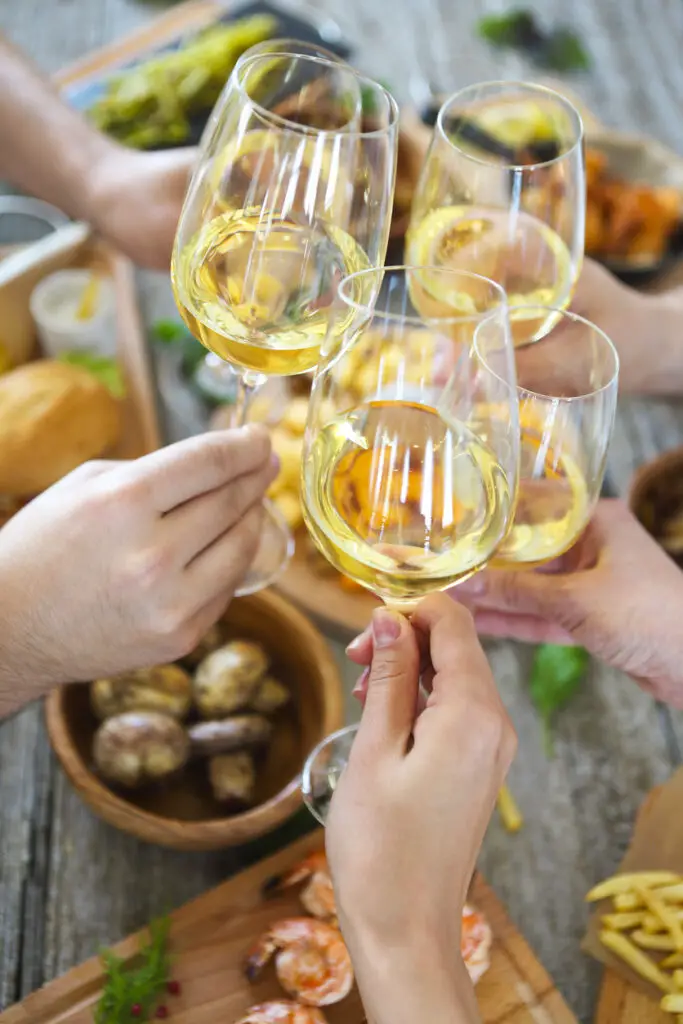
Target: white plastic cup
x,y
54,304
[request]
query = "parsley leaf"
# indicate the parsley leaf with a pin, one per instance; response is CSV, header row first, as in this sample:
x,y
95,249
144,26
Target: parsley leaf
x,y
138,986
556,675
560,49
107,371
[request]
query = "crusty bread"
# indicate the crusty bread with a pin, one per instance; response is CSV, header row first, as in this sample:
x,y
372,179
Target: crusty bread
x,y
53,417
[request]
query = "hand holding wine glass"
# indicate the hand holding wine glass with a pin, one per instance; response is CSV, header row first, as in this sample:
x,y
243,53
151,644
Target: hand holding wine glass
x,y
409,477
289,194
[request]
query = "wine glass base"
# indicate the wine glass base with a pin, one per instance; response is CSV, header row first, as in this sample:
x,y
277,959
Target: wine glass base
x,y
323,769
275,549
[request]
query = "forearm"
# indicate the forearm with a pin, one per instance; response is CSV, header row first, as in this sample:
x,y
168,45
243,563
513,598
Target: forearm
x,y
25,671
46,148
397,988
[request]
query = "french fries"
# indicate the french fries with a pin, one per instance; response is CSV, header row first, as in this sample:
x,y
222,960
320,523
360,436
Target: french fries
x,y
645,929
510,813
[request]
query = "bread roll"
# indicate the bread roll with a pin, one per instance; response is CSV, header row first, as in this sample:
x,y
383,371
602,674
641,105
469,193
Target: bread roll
x,y
53,417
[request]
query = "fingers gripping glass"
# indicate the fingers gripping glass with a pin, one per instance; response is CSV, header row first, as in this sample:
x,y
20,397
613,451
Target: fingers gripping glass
x,y
290,193
411,448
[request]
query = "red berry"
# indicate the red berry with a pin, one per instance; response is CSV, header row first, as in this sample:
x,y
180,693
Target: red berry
x,y
174,988
136,1010
162,1012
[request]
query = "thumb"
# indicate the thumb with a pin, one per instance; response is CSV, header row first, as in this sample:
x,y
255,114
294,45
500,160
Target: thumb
x,y
393,681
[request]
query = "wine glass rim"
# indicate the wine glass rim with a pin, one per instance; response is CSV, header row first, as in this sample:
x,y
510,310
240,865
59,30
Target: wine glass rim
x,y
247,60
259,50
597,331
528,87
416,320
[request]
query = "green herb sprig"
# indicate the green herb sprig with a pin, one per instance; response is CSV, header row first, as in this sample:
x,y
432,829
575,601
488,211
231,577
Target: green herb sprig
x,y
131,994
107,371
558,49
556,674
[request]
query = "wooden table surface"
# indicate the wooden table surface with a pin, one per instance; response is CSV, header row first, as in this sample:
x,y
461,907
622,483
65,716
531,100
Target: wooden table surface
x,y
69,883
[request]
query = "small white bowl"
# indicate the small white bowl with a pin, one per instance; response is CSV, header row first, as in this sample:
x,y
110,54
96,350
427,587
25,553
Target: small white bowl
x,y
54,303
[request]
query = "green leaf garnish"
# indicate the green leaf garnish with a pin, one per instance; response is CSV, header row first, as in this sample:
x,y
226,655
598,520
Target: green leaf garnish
x,y
107,370
556,675
367,96
558,50
563,51
139,987
169,330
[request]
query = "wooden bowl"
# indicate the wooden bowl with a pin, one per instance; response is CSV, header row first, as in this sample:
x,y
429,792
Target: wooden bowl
x,y
182,813
648,498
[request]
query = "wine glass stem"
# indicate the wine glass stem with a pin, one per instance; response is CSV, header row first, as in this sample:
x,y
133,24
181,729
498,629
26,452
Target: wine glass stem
x,y
248,384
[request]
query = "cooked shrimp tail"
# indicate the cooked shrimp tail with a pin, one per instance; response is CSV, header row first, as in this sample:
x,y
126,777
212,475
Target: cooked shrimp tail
x,y
282,1011
318,896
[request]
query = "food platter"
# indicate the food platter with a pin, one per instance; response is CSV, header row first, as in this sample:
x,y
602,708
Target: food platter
x,y
211,936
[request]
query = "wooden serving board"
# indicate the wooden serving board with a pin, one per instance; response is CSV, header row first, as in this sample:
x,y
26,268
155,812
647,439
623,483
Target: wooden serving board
x,y
211,935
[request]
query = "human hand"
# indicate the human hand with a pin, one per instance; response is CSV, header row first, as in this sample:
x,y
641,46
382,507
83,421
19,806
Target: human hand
x,y
616,593
123,565
410,811
136,198
645,329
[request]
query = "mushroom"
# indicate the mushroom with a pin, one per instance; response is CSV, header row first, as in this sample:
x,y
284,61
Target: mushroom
x,y
228,734
164,688
212,639
226,679
140,747
270,696
233,778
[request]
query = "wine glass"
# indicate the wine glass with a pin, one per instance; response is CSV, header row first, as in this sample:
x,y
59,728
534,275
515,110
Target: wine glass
x,y
289,194
411,449
567,385
503,193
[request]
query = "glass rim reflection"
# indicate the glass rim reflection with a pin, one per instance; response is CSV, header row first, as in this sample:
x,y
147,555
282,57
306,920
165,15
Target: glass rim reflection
x,y
326,741
532,87
416,320
277,120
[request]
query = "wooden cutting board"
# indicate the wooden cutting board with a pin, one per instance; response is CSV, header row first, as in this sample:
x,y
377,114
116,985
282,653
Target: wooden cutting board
x,y
211,935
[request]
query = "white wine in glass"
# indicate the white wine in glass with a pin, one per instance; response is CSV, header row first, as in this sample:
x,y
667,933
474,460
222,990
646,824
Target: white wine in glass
x,y
411,450
567,387
290,194
502,193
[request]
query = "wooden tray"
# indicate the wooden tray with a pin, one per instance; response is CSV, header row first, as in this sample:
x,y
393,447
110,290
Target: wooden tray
x,y
211,935
140,431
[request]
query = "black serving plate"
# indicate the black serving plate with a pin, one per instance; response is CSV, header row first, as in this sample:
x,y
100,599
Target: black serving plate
x,y
326,33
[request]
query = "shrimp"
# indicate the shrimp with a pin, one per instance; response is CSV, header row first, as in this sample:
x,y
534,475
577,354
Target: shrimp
x,y
311,960
475,943
282,1011
318,896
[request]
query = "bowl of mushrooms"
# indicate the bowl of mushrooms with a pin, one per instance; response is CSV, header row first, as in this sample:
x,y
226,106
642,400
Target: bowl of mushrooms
x,y
206,752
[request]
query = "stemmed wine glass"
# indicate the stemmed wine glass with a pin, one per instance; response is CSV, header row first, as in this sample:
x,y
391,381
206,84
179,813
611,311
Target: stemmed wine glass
x,y
567,387
290,193
503,193
409,471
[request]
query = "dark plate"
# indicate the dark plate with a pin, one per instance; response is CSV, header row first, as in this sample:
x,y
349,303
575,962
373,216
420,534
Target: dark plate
x,y
83,95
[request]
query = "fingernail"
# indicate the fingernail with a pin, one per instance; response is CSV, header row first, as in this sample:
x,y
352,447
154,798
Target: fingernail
x,y
361,685
386,627
358,641
275,462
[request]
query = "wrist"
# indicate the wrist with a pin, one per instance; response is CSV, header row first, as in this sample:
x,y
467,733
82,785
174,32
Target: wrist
x,y
418,981
653,332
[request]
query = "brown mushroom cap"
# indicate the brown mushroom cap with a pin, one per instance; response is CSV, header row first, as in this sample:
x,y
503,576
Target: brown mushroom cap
x,y
241,732
226,679
163,688
139,747
233,777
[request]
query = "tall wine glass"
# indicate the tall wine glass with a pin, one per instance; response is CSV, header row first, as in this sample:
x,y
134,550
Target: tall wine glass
x,y
409,474
289,195
503,193
567,386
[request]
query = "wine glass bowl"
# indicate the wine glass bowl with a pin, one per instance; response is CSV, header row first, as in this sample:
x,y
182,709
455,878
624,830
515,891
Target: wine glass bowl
x,y
411,445
502,194
567,387
271,223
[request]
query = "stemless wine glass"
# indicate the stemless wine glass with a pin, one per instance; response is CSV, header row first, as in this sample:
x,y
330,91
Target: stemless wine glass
x,y
290,193
567,386
411,450
503,193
